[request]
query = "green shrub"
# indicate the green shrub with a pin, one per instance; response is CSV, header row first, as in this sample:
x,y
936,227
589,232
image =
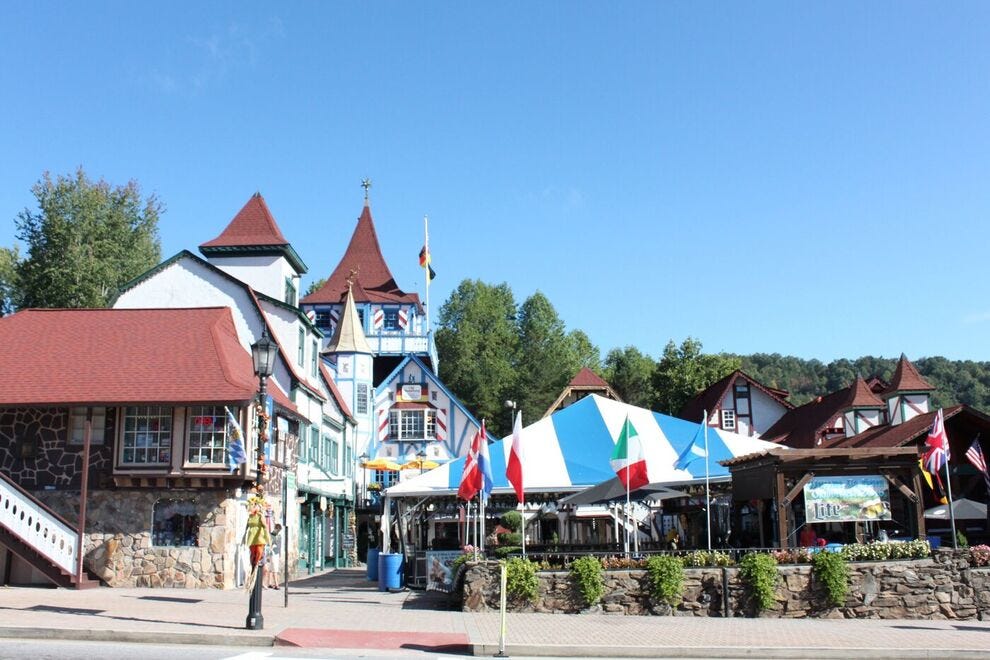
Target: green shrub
x,y
589,576
961,539
513,538
520,579
459,561
512,520
759,573
703,558
666,574
503,551
831,570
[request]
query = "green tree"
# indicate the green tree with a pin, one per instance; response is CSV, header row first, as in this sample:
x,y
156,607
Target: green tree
x,y
684,371
547,359
84,241
477,345
8,278
585,353
630,373
315,286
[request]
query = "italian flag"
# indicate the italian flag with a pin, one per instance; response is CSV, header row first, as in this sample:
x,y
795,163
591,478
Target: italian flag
x,y
628,460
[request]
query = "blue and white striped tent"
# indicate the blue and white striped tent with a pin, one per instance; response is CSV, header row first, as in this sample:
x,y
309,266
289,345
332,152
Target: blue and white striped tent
x,y
571,450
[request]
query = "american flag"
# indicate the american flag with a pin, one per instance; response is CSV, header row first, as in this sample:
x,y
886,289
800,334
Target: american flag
x,y
975,456
938,445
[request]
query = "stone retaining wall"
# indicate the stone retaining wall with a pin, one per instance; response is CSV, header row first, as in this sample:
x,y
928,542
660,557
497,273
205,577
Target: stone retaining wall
x,y
945,586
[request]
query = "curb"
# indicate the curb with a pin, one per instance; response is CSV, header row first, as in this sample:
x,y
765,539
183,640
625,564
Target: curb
x,y
137,636
771,653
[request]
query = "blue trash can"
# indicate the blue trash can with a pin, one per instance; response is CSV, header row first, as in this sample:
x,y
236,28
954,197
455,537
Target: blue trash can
x,y
389,571
935,541
373,564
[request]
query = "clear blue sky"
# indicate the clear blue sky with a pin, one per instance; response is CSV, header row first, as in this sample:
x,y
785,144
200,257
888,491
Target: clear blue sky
x,y
809,180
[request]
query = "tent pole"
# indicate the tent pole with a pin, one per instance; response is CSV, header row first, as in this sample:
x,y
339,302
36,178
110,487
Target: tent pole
x,y
708,495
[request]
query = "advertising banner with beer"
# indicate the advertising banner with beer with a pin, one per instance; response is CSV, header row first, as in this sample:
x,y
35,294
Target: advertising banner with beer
x,y
844,499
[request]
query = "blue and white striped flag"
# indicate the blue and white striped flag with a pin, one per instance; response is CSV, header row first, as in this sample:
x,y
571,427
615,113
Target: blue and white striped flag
x,y
696,450
236,456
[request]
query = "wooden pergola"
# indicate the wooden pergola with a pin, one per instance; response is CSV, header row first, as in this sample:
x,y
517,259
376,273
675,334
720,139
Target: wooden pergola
x,y
779,475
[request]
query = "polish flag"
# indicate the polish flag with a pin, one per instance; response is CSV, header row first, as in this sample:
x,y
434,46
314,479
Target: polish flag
x,y
469,476
513,469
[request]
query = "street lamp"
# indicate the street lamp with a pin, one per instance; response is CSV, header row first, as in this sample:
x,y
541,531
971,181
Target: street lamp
x,y
263,354
511,405
421,455
363,458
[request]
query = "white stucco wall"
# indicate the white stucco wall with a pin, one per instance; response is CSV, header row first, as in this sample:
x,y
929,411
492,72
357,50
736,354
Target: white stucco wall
x,y
263,273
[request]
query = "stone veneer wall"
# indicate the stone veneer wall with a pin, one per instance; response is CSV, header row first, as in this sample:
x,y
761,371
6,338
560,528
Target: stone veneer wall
x,y
945,586
118,538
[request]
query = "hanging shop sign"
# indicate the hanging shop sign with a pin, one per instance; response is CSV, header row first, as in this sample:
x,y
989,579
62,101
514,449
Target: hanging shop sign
x,y
410,392
845,499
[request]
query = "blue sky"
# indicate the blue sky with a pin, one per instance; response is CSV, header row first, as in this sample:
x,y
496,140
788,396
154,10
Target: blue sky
x,y
808,180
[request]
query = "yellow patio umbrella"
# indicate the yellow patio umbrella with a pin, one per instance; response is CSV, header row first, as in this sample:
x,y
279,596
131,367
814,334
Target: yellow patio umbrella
x,y
381,464
420,464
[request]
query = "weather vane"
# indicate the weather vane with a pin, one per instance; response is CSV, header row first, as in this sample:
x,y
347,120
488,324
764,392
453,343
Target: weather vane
x,y
353,274
366,184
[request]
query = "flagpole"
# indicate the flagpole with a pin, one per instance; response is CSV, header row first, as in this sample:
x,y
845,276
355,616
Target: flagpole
x,y
627,510
708,496
522,527
948,485
426,242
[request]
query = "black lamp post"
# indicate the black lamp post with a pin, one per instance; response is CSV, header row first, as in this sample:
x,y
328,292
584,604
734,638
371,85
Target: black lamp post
x,y
421,455
263,354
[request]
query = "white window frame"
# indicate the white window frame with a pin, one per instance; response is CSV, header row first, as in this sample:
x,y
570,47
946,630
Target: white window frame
x,y
135,439
399,429
199,440
77,425
729,420
361,397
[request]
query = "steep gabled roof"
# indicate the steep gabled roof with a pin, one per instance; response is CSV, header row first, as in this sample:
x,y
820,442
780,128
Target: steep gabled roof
x,y
588,378
253,231
374,282
861,396
709,398
585,382
906,379
115,356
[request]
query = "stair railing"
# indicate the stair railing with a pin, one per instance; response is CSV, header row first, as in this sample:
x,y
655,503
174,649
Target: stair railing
x,y
38,526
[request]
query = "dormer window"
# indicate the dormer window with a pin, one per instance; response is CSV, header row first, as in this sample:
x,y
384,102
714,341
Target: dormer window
x,y
391,321
729,420
290,291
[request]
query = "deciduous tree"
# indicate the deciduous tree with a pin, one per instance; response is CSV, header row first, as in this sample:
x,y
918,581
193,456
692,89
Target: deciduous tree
x,y
84,241
683,371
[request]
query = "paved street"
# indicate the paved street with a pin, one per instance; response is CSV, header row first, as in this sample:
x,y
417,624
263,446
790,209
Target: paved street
x,y
342,611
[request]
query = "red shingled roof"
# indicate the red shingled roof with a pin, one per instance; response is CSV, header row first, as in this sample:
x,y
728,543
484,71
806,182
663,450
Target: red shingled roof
x,y
801,426
907,378
587,378
709,398
254,225
374,281
114,356
861,396
896,436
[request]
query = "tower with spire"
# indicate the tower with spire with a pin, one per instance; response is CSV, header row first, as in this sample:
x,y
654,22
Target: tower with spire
x,y
908,395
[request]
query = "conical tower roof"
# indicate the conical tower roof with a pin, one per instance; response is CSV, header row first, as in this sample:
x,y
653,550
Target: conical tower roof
x,y
363,256
861,396
907,379
349,337
253,231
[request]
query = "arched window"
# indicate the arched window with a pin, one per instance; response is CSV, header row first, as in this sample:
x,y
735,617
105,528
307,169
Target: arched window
x,y
174,523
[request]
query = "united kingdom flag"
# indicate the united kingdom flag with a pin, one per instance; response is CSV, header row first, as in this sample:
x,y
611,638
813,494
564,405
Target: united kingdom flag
x,y
938,445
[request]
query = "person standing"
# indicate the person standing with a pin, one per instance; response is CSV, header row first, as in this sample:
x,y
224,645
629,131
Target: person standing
x,y
273,557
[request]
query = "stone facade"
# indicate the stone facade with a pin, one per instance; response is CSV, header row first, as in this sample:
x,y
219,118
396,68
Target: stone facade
x,y
35,453
946,586
118,542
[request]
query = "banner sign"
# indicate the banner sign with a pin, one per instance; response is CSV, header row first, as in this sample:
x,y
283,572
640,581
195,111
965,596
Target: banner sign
x,y
439,574
409,392
846,499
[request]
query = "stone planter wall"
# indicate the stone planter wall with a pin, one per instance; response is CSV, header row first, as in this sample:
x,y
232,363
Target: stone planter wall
x,y
118,542
943,587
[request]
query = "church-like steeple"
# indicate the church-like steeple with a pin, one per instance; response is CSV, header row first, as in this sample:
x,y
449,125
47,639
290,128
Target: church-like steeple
x,y
908,395
363,255
349,336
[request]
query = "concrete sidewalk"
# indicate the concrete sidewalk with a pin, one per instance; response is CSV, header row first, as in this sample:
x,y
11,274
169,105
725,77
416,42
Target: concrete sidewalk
x,y
341,609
